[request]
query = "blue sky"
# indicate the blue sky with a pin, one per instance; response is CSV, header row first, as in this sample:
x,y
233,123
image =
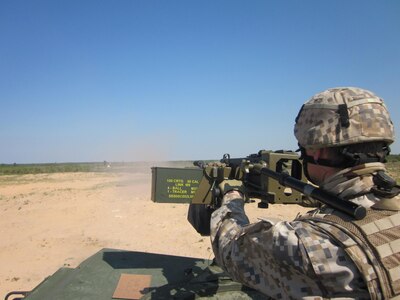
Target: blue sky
x,y
173,80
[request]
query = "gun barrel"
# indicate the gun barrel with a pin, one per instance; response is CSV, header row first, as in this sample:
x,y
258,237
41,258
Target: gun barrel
x,y
350,208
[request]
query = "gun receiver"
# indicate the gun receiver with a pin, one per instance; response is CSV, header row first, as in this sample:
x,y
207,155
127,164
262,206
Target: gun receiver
x,y
350,208
272,177
257,185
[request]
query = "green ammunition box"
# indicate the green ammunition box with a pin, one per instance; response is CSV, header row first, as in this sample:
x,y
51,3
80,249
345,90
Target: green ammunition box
x,y
174,185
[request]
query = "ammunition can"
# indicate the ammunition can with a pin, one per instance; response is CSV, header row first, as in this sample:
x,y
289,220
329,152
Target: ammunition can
x,y
174,185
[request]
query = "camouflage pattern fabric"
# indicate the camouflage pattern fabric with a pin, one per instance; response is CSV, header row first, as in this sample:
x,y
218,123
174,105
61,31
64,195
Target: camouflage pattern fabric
x,y
354,181
372,243
290,260
342,116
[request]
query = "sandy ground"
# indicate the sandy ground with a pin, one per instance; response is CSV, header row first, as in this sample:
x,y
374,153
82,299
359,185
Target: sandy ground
x,y
53,220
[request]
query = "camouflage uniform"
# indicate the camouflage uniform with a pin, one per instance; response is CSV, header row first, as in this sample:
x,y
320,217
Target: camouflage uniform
x,y
305,258
284,260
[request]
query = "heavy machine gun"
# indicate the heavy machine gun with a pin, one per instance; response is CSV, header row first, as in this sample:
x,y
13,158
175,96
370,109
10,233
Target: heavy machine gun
x,y
272,177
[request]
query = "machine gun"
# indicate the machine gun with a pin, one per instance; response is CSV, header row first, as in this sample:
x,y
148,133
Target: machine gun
x,y
258,185
272,177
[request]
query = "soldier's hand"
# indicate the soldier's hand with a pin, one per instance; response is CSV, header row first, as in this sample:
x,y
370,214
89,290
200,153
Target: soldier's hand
x,y
231,185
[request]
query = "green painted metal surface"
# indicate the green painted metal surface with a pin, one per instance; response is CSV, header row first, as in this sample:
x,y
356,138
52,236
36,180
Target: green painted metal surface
x,y
174,185
97,277
172,277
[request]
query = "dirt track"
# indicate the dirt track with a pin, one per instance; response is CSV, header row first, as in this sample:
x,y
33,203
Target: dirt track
x,y
54,220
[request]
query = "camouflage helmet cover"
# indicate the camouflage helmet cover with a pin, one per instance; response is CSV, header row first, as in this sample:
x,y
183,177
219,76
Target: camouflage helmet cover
x,y
343,116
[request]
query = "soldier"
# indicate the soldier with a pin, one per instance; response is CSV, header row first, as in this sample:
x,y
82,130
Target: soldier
x,y
344,136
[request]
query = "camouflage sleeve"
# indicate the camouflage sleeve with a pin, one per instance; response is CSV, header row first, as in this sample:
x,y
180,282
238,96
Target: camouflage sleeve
x,y
275,258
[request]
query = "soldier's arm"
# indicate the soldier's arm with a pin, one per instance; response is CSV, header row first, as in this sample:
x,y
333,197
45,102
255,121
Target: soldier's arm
x,y
271,257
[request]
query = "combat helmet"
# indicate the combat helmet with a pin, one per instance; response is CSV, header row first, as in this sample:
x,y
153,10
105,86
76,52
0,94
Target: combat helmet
x,y
343,116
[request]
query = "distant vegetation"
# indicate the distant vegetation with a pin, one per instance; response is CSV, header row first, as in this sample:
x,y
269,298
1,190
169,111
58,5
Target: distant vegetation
x,y
15,169
393,157
393,167
20,169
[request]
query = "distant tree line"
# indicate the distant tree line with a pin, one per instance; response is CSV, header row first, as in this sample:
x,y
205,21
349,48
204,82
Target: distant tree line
x,y
393,157
15,169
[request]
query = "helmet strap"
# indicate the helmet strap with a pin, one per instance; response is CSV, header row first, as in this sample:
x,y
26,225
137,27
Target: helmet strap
x,y
344,115
320,161
306,159
305,170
